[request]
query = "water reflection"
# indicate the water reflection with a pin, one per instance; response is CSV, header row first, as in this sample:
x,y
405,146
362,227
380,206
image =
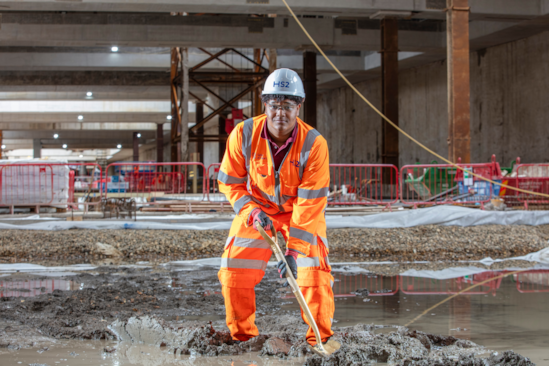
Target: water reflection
x,y
31,288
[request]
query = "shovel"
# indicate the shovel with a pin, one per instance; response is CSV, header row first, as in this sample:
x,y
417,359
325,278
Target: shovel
x,y
325,349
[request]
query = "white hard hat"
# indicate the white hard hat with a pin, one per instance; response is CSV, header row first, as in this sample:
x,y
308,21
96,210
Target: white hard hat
x,y
285,82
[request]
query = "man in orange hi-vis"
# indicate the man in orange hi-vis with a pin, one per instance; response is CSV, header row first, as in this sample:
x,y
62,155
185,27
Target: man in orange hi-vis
x,y
276,172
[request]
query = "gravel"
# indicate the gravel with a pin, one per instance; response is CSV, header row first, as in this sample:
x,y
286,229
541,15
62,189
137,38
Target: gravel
x,y
422,243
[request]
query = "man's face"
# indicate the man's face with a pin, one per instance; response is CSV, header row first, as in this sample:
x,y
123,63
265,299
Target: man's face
x,y
282,117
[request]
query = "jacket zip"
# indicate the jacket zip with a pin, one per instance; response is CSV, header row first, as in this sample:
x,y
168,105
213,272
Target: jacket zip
x,y
277,175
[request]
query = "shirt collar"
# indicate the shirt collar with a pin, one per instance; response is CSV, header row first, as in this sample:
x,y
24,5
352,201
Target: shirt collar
x,y
290,139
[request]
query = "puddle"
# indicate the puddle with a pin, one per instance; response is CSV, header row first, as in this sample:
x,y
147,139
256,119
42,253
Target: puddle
x,y
497,313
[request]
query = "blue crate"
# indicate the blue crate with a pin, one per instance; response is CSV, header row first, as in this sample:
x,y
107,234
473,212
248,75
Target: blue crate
x,y
482,188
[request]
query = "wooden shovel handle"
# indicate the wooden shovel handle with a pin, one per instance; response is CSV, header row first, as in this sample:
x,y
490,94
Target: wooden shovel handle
x,y
293,283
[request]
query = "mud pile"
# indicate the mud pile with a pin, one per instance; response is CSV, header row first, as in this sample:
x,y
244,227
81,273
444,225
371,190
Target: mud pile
x,y
283,337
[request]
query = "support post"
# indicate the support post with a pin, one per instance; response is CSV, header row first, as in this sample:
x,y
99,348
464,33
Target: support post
x,y
200,133
36,147
309,83
175,121
159,143
389,90
135,146
459,126
272,60
256,102
184,104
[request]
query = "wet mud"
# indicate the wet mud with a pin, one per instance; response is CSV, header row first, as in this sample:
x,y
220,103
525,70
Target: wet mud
x,y
181,312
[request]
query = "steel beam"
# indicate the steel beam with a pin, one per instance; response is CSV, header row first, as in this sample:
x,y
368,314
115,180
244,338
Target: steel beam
x,y
389,89
200,132
459,129
256,102
176,116
184,97
309,82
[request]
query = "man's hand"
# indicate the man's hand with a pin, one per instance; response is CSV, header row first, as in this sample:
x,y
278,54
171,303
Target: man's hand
x,y
291,259
262,218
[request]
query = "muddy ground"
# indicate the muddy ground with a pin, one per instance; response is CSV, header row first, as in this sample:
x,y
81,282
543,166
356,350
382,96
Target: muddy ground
x,y
422,243
155,306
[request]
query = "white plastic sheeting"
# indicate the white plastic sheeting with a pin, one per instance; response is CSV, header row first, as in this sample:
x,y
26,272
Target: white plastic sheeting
x,y
34,182
439,215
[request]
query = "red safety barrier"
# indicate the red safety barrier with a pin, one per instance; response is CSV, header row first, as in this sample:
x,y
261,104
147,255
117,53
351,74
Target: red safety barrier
x,y
439,184
535,178
156,183
213,193
34,288
532,281
42,184
431,286
363,184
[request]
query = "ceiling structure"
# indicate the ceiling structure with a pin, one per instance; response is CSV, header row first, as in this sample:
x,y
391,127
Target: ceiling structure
x,y
57,60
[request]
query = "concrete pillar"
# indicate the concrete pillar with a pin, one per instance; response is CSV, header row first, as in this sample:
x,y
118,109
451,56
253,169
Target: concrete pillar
x,y
185,105
176,116
159,143
36,147
389,90
459,128
199,113
2,150
309,82
135,146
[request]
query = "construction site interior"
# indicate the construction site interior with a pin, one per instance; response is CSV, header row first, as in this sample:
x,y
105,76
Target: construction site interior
x,y
115,117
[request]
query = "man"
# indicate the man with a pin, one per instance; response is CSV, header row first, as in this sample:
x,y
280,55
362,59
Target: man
x,y
276,172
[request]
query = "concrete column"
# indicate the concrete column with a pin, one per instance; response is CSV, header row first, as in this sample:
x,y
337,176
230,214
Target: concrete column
x,y
159,143
185,105
389,90
36,147
200,132
176,116
135,147
309,82
459,128
2,150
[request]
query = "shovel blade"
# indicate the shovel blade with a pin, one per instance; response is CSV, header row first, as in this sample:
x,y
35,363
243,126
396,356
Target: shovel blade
x,y
326,349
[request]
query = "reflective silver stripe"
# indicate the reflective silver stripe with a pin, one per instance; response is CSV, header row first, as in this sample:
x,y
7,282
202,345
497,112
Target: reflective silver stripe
x,y
331,321
285,199
302,234
308,262
331,283
324,241
268,197
327,260
243,263
240,203
306,150
228,179
251,243
228,241
247,132
313,193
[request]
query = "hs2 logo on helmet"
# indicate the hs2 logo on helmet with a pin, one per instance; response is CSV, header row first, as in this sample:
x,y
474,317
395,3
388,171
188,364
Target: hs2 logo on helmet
x,y
282,84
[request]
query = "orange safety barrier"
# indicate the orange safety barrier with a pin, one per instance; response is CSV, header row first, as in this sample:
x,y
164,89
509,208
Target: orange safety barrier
x,y
532,281
156,183
363,184
37,185
439,184
431,286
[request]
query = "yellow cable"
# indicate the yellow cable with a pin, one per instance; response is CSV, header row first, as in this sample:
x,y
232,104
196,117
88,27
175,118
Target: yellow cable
x,y
393,124
462,291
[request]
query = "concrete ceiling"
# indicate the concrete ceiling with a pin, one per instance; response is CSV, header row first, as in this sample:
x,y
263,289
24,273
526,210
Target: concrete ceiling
x,y
54,52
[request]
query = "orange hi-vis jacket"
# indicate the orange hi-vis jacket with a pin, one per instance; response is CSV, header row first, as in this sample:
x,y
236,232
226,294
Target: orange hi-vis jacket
x,y
301,185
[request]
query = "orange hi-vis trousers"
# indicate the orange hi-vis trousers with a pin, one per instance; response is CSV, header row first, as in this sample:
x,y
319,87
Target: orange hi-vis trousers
x,y
243,266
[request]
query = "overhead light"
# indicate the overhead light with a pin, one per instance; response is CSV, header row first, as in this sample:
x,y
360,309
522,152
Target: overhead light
x,y
64,146
168,117
118,146
138,135
3,147
80,117
81,156
114,49
89,94
55,136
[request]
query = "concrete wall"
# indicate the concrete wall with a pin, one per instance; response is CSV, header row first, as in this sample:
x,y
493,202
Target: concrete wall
x,y
509,109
